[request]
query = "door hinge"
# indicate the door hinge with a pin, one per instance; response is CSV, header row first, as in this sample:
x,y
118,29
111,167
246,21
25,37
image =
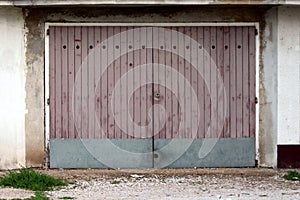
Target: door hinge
x,y
48,101
48,32
256,100
256,31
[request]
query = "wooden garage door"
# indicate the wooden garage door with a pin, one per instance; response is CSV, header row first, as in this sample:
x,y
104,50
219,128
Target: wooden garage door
x,y
158,93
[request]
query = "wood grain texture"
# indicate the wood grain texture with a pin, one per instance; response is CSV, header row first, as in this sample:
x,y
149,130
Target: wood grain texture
x,y
81,53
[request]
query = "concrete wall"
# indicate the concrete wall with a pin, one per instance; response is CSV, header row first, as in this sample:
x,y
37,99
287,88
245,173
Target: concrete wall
x,y
289,75
12,88
37,17
268,90
22,134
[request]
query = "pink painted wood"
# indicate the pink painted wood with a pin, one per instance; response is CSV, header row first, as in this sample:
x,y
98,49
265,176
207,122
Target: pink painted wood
x,y
232,89
124,69
252,80
58,84
97,84
77,92
220,67
64,77
227,81
168,81
103,81
71,78
245,77
174,85
181,70
213,81
149,87
136,79
187,90
239,82
117,72
74,55
201,83
52,63
207,48
194,79
91,82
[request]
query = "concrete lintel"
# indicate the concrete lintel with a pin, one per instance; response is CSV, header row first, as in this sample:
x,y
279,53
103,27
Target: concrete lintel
x,y
144,2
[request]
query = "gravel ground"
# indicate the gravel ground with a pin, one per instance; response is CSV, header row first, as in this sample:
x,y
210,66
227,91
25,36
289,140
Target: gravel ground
x,y
171,184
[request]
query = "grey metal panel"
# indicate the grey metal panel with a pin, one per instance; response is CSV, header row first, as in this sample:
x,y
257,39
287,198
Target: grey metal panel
x,y
228,152
101,153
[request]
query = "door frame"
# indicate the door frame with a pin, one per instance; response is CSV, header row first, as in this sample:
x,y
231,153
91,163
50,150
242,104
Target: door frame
x,y
47,68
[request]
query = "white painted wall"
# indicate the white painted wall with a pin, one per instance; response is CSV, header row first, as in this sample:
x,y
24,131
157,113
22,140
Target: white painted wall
x,y
12,88
288,75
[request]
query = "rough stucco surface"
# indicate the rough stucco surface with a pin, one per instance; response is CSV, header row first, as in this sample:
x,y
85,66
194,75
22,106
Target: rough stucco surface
x,y
36,18
268,91
289,75
12,88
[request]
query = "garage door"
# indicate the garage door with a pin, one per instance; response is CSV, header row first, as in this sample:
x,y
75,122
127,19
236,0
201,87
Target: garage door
x,y
143,97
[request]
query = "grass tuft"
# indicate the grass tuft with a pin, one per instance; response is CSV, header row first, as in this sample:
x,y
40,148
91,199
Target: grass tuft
x,y
292,176
39,196
29,179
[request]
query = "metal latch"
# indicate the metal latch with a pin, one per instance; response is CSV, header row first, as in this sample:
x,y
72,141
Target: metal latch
x,y
48,101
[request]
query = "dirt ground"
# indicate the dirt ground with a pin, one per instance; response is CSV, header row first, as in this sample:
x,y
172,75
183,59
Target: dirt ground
x,y
229,184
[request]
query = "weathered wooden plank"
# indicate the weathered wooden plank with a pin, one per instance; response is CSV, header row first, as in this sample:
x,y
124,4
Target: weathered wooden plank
x,y
91,82
52,64
130,58
181,132
97,84
201,83
58,86
207,48
78,78
162,80
220,67
156,88
227,69
143,88
104,95
233,97
239,81
168,81
174,63
149,87
252,91
117,74
187,83
110,85
84,84
245,76
71,78
124,68
213,82
194,81
137,93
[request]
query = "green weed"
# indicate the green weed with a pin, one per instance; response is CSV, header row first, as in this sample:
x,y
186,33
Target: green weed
x,y
292,176
29,179
39,196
